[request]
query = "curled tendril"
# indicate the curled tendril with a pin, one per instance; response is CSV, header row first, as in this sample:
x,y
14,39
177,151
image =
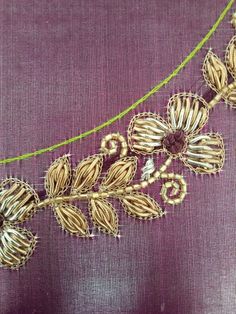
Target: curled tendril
x,y
174,190
112,142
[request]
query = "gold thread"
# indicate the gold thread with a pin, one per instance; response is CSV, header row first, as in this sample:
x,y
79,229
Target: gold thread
x,y
134,105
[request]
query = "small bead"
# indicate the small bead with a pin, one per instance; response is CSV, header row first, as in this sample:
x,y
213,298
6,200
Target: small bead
x,y
144,184
136,187
129,189
163,168
157,174
151,180
120,191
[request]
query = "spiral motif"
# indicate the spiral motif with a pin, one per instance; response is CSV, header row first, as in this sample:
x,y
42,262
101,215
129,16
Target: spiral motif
x,y
111,143
174,190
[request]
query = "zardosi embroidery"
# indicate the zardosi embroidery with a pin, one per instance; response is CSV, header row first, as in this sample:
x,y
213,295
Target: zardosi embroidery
x,y
179,136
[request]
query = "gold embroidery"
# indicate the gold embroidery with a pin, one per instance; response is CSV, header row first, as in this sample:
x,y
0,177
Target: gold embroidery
x,y
71,219
18,203
179,136
87,173
148,133
141,206
104,216
58,177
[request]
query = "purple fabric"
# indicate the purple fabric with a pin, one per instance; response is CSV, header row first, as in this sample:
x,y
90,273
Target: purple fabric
x,y
67,66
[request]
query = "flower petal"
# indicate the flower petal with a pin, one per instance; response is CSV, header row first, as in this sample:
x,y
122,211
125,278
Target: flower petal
x,y
18,200
214,72
205,153
16,246
187,112
146,132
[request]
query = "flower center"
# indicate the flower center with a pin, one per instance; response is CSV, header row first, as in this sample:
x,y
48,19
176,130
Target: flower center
x,y
1,221
174,142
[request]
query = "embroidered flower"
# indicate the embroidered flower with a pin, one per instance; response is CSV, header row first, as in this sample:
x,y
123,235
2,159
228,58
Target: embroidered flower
x,y
17,203
179,136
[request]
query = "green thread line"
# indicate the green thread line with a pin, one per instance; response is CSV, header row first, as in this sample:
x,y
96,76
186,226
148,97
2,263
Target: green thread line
x,y
136,103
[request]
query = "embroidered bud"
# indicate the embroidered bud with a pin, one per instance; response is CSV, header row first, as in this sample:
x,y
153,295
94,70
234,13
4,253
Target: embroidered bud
x,y
72,220
141,206
58,177
214,72
104,216
120,173
87,173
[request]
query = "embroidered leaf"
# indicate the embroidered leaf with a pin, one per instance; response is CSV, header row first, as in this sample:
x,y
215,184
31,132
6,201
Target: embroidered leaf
x,y
72,219
17,200
58,177
87,173
230,57
120,173
214,72
104,216
141,206
17,245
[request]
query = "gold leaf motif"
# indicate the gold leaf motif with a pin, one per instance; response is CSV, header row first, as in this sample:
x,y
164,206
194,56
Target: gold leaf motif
x,y
214,72
18,200
17,245
104,216
230,57
72,220
58,177
120,174
87,173
141,206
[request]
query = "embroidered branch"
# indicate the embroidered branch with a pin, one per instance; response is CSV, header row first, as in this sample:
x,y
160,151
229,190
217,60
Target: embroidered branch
x,y
179,136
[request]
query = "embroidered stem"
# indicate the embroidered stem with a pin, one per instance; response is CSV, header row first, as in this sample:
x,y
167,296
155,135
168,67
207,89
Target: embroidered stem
x,y
223,94
115,193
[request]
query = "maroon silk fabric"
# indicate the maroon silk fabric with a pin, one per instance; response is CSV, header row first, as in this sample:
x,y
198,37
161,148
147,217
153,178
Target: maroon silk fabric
x,y
69,65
